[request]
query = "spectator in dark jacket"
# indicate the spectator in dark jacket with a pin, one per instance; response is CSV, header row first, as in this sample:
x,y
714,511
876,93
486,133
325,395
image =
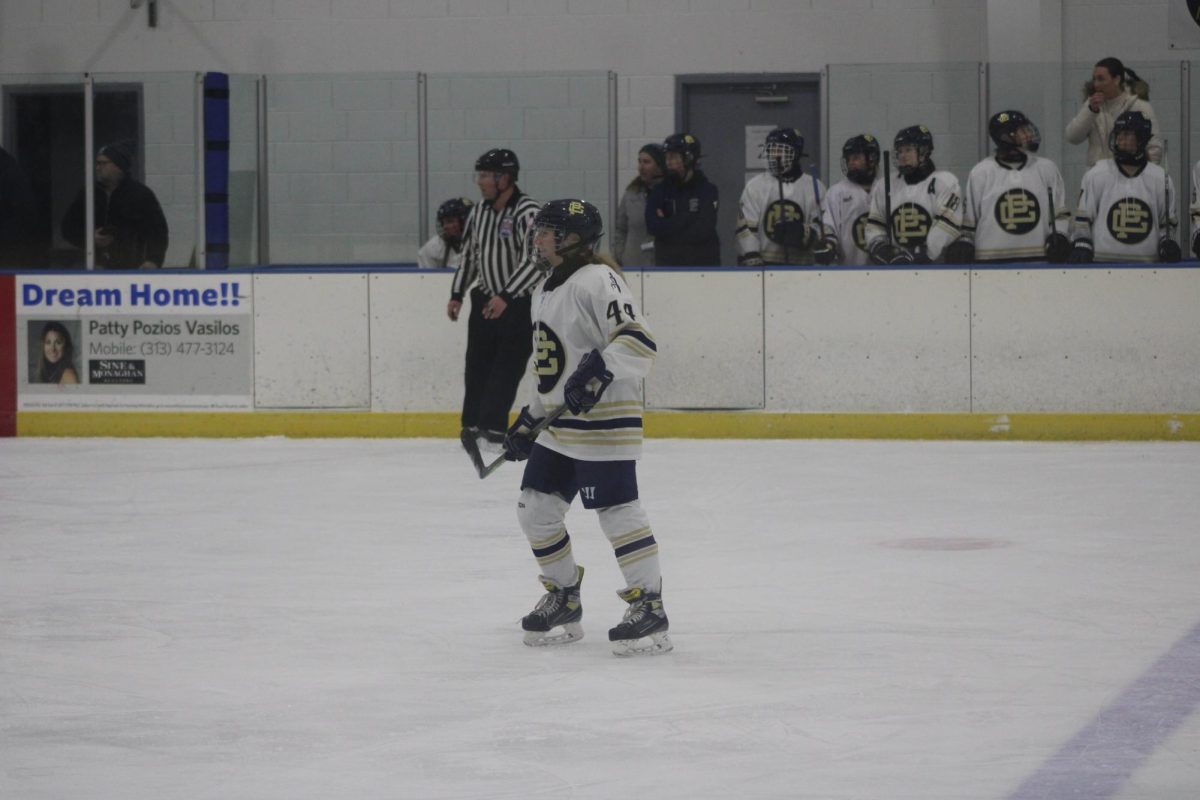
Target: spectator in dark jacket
x,y
131,231
681,211
16,212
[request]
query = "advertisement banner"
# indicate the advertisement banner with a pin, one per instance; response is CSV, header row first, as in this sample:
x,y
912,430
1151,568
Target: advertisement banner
x,y
134,341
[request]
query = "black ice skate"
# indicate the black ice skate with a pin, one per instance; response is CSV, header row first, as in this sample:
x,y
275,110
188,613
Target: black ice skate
x,y
558,608
643,630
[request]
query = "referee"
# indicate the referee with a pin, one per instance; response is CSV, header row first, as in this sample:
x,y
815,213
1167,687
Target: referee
x,y
498,268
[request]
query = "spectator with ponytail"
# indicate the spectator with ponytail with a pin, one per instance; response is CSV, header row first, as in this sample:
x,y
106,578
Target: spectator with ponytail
x,y
1113,90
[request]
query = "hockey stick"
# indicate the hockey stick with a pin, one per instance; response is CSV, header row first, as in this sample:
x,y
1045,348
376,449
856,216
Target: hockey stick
x,y
484,471
887,193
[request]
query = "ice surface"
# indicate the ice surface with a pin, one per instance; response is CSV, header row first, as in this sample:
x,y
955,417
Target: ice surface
x,y
852,620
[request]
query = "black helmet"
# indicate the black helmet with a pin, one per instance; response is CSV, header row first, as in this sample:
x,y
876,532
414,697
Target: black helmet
x,y
565,218
454,208
784,149
686,145
1003,127
919,137
499,159
1134,122
868,145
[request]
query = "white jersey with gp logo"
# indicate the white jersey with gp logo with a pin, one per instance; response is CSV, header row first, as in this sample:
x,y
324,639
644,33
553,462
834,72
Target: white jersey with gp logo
x,y
766,201
592,310
1007,209
1123,218
927,213
846,208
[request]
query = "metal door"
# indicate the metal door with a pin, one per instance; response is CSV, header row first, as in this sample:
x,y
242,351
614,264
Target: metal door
x,y
730,114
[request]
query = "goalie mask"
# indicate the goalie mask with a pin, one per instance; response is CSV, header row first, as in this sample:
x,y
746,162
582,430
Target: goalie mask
x,y
1013,135
576,226
868,146
1131,129
919,137
783,149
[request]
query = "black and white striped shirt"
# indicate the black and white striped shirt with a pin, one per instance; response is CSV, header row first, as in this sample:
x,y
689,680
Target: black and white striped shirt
x,y
498,250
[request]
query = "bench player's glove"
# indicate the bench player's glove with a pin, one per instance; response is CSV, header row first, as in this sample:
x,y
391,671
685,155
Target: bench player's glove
x,y
1058,248
960,251
1196,244
1168,251
1080,255
888,253
578,393
518,442
826,251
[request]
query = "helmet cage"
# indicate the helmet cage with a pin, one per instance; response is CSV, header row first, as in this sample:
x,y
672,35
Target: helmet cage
x,y
782,158
564,219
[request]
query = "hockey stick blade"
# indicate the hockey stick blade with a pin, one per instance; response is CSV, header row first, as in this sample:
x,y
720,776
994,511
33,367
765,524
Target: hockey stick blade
x,y
472,447
484,471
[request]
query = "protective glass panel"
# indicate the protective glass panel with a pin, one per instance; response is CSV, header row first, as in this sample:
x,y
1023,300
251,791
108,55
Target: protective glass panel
x,y
243,170
556,123
882,99
344,185
145,126
41,168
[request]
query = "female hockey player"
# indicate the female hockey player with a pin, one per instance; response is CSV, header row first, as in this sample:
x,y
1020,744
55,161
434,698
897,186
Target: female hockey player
x,y
590,343
1015,206
1126,204
914,217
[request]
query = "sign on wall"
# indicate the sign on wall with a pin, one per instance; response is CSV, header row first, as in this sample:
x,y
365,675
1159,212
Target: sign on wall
x,y
135,340
1183,24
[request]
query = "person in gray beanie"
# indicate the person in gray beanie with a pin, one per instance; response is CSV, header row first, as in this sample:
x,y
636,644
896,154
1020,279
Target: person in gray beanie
x,y
131,231
632,246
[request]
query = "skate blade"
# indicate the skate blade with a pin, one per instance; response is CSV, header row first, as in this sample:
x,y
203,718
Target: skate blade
x,y
571,632
658,644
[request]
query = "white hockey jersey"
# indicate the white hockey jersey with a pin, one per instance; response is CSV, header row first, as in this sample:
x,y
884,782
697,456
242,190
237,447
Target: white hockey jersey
x,y
1007,210
767,201
846,207
434,254
1194,209
1123,218
926,213
592,309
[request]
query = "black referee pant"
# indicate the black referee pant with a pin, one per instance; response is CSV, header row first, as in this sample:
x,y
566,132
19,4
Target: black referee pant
x,y
498,351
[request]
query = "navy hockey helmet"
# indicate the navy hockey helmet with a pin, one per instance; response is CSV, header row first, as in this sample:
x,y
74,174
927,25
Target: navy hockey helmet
x,y
867,145
1005,128
499,159
919,137
567,218
784,148
454,208
1136,123
685,145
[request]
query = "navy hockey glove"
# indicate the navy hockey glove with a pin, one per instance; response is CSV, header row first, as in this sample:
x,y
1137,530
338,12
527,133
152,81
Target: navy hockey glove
x,y
885,253
1080,255
1058,248
826,251
791,233
752,259
960,251
518,442
577,394
1168,251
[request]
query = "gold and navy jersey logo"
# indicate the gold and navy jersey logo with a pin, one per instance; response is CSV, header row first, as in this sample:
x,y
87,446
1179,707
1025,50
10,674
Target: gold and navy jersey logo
x,y
1018,212
860,232
910,224
784,211
1130,220
549,357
